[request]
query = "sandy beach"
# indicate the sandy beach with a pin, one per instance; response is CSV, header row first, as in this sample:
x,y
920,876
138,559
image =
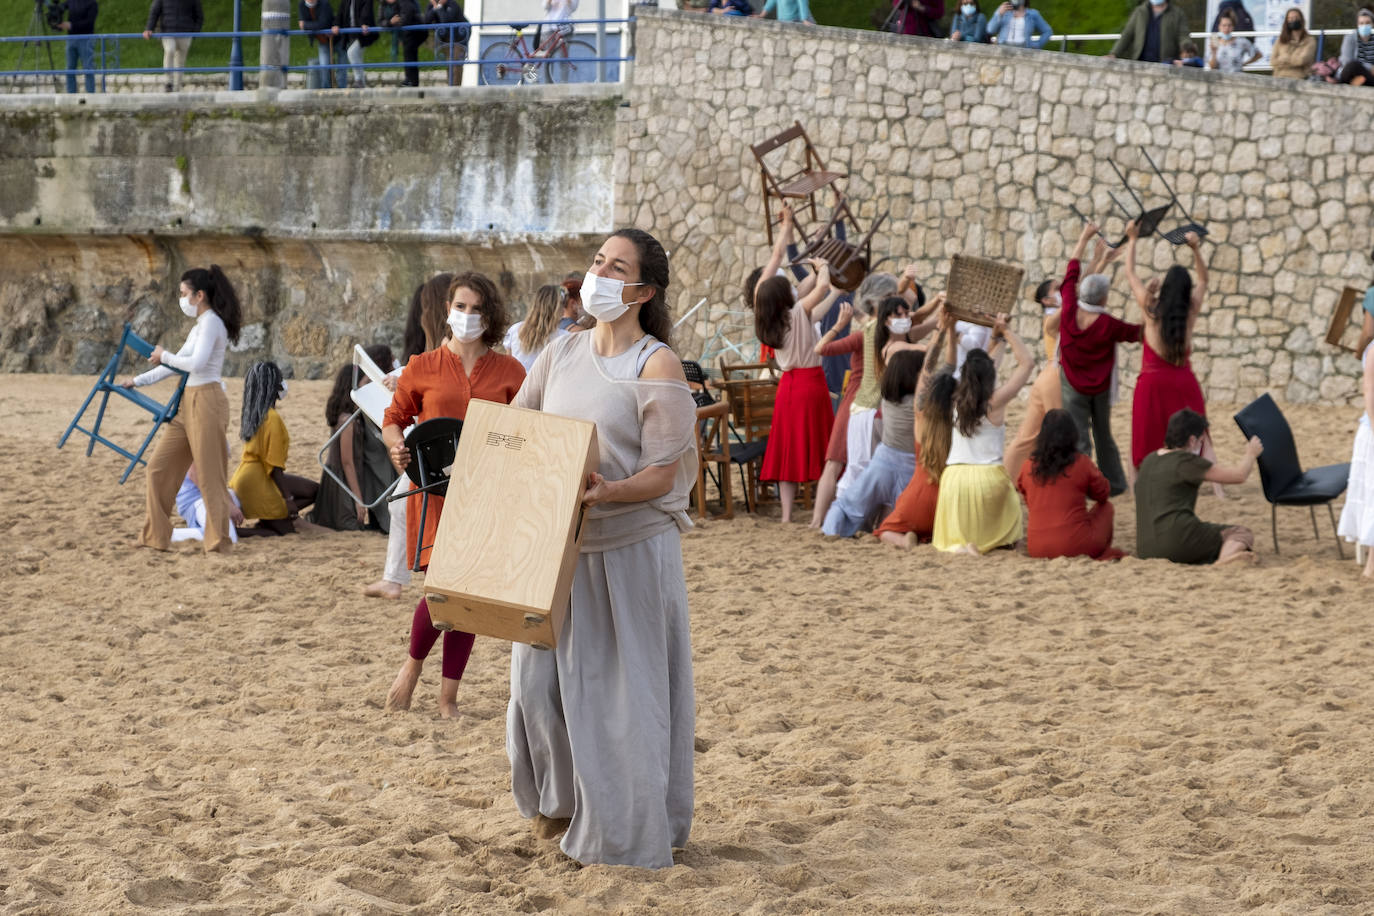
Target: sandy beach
x,y
877,731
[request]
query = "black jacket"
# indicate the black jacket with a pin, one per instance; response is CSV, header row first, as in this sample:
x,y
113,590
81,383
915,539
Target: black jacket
x,y
446,12
175,16
317,20
81,14
354,14
410,15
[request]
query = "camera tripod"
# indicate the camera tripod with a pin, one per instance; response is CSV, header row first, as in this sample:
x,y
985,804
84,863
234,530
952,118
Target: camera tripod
x,y
38,25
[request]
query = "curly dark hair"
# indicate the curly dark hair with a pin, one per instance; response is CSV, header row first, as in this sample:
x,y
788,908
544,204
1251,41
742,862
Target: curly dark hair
x,y
492,307
1172,310
773,311
977,382
1056,448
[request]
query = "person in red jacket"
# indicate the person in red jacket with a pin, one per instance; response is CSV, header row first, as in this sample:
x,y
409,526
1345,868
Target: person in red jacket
x,y
1088,337
1055,481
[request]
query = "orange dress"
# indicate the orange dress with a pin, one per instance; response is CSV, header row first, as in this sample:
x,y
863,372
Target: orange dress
x,y
915,507
434,384
1060,524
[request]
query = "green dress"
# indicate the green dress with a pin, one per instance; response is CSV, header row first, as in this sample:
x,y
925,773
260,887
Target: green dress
x,y
1166,524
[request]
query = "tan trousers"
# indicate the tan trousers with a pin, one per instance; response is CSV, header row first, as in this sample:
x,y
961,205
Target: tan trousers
x,y
174,51
1044,397
196,434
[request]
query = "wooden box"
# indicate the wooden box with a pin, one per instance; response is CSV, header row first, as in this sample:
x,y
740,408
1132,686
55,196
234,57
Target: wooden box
x,y
980,289
507,544
1340,320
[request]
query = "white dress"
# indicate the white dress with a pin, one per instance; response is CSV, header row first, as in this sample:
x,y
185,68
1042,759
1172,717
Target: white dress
x,y
1357,517
601,729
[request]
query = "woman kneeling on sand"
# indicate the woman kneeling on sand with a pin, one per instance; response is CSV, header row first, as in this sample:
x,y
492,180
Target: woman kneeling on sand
x,y
1166,492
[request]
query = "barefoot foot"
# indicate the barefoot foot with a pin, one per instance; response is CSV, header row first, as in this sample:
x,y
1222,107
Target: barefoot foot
x,y
448,699
398,697
383,589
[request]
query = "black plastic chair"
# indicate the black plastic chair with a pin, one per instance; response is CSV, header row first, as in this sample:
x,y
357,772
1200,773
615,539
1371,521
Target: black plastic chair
x,y
433,445
1284,481
1179,234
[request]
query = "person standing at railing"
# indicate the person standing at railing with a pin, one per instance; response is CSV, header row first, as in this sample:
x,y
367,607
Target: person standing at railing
x,y
969,24
1230,52
1359,44
787,11
317,18
1296,50
921,16
1016,25
175,17
450,42
1155,32
399,14
80,26
354,14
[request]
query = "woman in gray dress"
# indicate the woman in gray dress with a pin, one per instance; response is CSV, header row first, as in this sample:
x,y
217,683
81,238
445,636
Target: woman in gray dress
x,y
600,730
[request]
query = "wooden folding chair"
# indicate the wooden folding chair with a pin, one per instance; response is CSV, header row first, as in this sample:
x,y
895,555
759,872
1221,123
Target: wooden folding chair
x,y
713,448
849,261
800,184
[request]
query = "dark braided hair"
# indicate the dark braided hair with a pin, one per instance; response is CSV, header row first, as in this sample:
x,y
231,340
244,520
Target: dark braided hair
x,y
260,390
220,295
1172,310
654,317
1056,447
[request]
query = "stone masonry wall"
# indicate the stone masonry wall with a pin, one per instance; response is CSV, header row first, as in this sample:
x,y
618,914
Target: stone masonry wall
x,y
982,150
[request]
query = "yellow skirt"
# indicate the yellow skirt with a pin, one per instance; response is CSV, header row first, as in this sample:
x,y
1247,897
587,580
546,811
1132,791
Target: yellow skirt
x,y
979,506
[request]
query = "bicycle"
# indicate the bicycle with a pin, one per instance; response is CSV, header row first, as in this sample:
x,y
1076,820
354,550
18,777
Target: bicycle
x,y
560,60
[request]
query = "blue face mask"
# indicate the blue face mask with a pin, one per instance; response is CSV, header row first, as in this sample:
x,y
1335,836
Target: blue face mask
x,y
969,9
1366,30
1157,2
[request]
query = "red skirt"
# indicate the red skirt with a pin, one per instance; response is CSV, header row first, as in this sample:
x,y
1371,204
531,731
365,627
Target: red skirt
x,y
1161,390
802,418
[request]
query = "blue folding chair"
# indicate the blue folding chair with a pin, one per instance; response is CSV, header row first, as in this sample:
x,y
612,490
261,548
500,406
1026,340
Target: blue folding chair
x,y
105,386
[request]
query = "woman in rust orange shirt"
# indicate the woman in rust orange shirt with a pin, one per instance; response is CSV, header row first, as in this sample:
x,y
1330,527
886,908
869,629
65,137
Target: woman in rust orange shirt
x,y
440,383
1057,480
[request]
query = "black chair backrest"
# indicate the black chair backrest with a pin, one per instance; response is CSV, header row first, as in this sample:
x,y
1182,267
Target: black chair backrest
x,y
696,380
433,445
1278,466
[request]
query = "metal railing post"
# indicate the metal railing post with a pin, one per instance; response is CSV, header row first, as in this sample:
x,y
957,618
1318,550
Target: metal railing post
x,y
274,48
601,41
236,49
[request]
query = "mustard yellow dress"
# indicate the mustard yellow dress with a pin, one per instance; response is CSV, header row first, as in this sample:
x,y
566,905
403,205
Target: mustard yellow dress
x,y
253,480
978,504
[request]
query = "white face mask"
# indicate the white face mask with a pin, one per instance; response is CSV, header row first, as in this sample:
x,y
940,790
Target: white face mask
x,y
1056,301
601,296
187,308
899,325
465,326
281,391
969,9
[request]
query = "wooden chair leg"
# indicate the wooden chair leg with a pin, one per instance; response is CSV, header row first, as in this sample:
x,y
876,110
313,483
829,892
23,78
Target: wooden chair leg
x,y
1340,552
727,495
701,490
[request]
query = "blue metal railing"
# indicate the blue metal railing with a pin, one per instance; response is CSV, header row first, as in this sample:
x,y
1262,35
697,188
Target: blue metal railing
x,y
446,35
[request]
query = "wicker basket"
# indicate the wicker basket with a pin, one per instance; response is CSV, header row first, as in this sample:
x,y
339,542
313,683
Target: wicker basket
x,y
979,289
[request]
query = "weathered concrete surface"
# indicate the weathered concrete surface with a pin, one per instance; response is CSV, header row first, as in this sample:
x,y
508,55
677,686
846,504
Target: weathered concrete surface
x,y
64,299
982,149
302,164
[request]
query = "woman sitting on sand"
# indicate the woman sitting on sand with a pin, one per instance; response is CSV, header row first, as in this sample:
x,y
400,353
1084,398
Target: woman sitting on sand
x,y
979,509
1056,479
358,456
1167,527
440,383
269,494
894,460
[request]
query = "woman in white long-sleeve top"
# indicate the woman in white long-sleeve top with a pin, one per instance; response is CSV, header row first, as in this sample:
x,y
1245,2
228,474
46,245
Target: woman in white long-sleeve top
x,y
600,730
197,433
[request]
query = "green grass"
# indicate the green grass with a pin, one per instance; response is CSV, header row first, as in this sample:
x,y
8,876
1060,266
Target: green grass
x,y
128,16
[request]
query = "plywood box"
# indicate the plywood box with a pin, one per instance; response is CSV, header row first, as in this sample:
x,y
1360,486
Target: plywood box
x,y
507,543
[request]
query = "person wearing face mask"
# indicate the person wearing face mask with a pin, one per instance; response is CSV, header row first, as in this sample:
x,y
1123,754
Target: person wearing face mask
x,y
440,383
266,492
198,431
600,730
1154,32
969,24
1293,55
1016,25
1166,522
1358,46
1230,52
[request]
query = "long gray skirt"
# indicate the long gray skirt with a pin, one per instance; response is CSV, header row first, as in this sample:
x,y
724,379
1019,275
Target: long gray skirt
x,y
601,729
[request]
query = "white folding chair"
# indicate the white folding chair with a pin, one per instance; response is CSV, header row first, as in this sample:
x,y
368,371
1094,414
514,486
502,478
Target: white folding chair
x,y
372,402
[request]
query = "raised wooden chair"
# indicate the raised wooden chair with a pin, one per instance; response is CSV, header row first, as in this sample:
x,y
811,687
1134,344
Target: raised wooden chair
x,y
849,260
798,177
